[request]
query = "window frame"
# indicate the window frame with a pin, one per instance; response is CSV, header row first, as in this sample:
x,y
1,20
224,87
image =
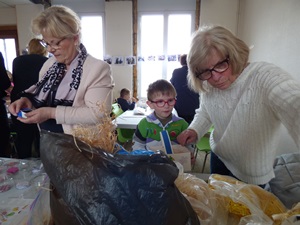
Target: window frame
x,y
165,15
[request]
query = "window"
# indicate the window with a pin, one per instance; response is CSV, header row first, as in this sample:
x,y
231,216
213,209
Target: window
x,y
8,45
92,35
162,39
8,49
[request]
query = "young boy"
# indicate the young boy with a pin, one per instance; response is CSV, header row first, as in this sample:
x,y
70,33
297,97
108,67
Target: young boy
x,y
125,100
161,98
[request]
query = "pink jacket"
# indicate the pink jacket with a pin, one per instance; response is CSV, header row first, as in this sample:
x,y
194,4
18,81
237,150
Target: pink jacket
x,y
95,88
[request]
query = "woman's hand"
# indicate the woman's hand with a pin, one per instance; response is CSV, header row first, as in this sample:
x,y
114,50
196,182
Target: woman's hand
x,y
39,115
187,137
21,103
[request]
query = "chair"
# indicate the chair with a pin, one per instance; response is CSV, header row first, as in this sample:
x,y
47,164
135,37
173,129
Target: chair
x,y
116,110
204,146
124,135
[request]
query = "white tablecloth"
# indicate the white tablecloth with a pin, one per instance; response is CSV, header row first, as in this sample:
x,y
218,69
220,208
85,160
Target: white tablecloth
x,y
15,203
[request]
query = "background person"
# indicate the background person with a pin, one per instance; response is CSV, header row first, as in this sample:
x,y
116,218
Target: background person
x,y
4,127
245,102
187,100
125,100
26,73
73,83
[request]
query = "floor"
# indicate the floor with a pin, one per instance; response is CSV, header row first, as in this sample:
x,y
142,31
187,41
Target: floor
x,y
199,163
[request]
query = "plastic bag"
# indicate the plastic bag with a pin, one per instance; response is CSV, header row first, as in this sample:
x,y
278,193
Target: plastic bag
x,y
40,208
95,187
227,201
291,217
199,194
247,203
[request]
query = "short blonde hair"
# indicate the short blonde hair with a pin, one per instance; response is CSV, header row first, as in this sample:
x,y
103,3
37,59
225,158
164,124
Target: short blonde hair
x,y
207,39
58,21
35,47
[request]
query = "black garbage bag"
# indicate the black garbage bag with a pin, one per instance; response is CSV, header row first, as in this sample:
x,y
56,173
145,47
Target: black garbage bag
x,y
96,187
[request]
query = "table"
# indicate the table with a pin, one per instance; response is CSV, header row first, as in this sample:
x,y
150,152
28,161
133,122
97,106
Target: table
x,y
129,120
15,203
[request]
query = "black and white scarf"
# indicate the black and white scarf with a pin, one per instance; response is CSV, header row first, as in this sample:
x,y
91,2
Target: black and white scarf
x,y
58,87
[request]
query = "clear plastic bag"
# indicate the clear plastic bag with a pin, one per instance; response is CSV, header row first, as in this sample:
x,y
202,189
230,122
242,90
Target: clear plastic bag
x,y
227,201
40,212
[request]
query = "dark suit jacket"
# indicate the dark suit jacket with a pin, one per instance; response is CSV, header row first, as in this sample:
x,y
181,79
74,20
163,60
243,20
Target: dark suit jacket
x,y
125,105
4,80
187,100
25,72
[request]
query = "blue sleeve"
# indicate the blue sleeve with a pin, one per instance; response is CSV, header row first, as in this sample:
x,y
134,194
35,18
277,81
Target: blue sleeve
x,y
123,103
131,106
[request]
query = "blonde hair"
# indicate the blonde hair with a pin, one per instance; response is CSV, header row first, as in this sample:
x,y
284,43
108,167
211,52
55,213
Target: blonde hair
x,y
35,47
207,39
58,21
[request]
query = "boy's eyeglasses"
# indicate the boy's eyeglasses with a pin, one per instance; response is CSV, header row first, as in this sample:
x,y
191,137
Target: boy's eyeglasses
x,y
162,103
219,68
54,46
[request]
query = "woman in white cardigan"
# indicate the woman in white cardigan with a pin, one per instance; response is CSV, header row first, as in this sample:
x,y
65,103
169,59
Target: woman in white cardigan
x,y
245,102
72,84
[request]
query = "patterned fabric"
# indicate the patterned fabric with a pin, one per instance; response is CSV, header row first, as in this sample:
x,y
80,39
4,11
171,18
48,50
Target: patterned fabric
x,y
148,131
49,92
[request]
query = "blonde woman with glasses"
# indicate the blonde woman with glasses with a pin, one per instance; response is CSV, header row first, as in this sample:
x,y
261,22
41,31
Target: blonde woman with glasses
x,y
245,102
72,84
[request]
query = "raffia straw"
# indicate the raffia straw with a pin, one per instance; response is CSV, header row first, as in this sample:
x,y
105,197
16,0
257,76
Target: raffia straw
x,y
75,141
100,135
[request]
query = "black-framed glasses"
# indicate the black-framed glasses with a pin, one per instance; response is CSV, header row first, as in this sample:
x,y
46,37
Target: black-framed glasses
x,y
162,103
54,46
220,67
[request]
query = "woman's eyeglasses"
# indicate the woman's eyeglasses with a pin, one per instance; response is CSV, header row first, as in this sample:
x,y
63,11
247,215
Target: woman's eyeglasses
x,y
219,68
54,46
162,103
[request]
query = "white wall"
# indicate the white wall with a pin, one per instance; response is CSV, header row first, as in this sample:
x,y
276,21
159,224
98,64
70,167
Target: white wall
x,y
166,5
118,39
82,6
8,16
220,12
272,27
25,13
